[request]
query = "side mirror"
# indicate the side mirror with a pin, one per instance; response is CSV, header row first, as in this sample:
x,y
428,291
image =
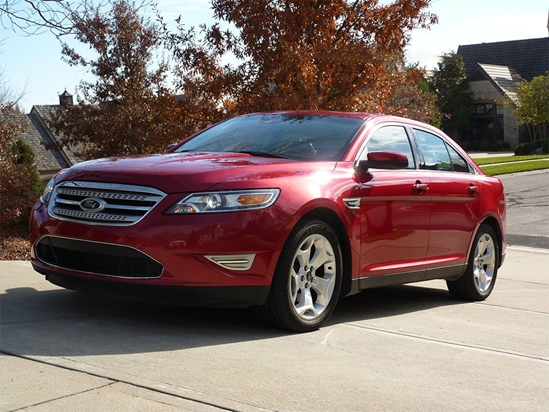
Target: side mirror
x,y
382,160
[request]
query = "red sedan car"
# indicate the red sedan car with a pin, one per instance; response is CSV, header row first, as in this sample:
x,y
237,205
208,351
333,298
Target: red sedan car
x,y
285,211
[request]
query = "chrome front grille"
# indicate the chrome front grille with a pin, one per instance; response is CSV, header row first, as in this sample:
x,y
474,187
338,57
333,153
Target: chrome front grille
x,y
103,203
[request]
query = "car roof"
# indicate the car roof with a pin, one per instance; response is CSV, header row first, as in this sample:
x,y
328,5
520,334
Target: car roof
x,y
356,115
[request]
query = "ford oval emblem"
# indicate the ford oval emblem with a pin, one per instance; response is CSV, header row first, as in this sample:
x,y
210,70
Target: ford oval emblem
x,y
92,205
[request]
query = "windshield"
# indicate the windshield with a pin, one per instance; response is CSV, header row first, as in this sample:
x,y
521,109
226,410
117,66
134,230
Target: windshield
x,y
290,136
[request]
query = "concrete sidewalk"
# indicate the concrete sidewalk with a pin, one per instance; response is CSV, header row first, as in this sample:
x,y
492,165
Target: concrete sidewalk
x,y
408,348
476,155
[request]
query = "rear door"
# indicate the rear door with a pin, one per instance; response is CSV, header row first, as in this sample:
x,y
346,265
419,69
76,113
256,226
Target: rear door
x,y
455,196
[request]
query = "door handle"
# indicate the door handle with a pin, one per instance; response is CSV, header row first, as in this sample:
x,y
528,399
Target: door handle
x,y
473,189
421,187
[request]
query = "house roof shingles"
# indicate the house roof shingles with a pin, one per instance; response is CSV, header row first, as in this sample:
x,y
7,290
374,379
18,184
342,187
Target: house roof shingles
x,y
47,161
503,77
42,113
530,57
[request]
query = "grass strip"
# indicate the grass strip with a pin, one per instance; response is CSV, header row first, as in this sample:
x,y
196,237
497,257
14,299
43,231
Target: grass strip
x,y
515,167
507,159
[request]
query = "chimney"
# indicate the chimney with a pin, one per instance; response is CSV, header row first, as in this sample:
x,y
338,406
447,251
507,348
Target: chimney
x,y
65,99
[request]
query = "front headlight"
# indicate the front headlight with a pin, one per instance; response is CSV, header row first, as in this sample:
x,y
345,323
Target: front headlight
x,y
227,201
45,198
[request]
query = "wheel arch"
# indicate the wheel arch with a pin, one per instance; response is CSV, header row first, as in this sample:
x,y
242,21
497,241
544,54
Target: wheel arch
x,y
331,218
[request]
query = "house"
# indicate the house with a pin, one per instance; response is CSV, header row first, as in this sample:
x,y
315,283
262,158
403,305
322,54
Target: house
x,y
49,159
493,70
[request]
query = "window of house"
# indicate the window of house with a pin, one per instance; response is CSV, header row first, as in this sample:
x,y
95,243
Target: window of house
x,y
487,122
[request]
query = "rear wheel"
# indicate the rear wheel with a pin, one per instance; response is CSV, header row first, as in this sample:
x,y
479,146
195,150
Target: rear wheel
x,y
307,281
480,276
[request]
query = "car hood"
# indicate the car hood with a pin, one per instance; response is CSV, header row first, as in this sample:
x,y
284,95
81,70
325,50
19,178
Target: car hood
x,y
185,172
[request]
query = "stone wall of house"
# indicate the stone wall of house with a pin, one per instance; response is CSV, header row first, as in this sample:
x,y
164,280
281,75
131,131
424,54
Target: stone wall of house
x,y
511,129
484,91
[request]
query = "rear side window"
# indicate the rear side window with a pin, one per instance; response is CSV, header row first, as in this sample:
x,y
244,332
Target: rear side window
x,y
439,155
390,139
458,163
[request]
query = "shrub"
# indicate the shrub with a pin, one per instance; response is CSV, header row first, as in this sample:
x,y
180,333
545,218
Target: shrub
x,y
486,145
529,148
19,181
545,146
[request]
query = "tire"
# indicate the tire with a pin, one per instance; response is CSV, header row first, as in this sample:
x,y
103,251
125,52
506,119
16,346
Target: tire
x,y
307,280
479,278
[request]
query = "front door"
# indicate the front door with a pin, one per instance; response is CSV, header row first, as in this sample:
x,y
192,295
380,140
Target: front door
x,y
394,212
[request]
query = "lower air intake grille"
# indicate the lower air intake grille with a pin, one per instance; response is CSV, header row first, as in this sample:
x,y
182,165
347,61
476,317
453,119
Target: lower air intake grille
x,y
97,258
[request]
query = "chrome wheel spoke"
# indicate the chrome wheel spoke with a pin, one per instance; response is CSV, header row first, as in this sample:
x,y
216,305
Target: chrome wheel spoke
x,y
484,263
306,308
322,253
324,288
304,253
294,285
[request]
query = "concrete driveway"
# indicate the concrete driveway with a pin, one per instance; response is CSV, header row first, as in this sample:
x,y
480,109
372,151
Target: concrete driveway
x,y
408,348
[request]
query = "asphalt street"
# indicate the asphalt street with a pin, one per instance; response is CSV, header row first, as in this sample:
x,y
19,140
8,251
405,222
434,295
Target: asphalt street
x,y
407,348
527,197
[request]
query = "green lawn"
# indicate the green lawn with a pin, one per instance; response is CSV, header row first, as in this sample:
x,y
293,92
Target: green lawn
x,y
516,167
507,159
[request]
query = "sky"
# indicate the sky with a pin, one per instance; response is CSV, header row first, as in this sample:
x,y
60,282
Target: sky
x,y
33,63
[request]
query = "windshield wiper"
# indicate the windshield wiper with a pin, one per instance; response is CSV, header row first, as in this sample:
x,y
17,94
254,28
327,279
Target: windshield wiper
x,y
261,154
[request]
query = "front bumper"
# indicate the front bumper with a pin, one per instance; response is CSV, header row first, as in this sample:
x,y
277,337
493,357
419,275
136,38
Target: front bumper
x,y
223,297
166,259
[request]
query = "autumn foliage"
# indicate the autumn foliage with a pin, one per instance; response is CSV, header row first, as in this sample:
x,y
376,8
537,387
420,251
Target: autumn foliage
x,y
19,183
304,54
259,55
128,110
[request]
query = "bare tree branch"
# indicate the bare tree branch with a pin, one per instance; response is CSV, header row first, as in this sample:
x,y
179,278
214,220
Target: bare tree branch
x,y
60,17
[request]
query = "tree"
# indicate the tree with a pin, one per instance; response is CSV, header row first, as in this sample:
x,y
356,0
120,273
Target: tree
x,y
60,17
8,97
413,99
531,105
449,83
19,182
128,109
34,16
301,54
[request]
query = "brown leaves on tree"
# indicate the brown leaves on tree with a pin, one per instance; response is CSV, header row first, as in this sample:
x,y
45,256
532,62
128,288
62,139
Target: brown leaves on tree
x,y
260,55
18,176
303,54
128,110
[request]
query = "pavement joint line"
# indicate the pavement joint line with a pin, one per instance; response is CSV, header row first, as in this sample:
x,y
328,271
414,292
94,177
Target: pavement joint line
x,y
117,380
528,249
537,312
521,281
62,397
479,348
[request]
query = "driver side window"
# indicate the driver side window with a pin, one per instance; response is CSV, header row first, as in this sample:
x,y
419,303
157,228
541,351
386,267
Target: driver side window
x,y
390,139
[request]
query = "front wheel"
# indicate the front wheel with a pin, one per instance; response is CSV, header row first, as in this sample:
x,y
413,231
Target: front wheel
x,y
307,280
480,276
